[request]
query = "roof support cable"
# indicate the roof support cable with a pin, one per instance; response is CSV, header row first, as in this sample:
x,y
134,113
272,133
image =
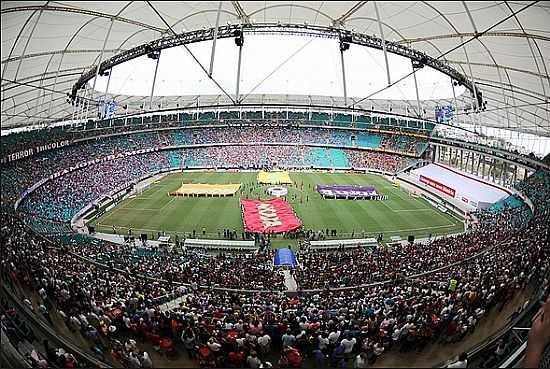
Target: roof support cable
x,y
239,74
529,39
381,29
27,43
191,53
417,94
343,75
214,41
453,49
342,19
277,68
454,100
39,87
108,83
154,81
101,59
476,102
243,17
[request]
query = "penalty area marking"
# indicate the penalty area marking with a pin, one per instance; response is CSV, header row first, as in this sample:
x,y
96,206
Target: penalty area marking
x,y
168,203
449,223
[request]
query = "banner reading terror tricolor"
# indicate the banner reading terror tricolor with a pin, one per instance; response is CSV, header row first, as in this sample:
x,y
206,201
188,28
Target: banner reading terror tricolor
x,y
269,216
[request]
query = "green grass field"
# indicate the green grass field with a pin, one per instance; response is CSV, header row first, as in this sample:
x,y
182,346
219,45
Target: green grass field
x,y
154,210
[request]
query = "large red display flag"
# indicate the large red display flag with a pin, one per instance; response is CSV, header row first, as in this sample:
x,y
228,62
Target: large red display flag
x,y
269,216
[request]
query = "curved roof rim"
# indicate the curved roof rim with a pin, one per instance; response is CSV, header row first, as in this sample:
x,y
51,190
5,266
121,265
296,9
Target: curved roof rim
x,y
313,31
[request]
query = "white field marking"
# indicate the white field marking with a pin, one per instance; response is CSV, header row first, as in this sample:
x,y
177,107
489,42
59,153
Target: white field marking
x,y
442,216
117,208
419,229
416,198
125,206
420,200
142,209
424,209
449,223
128,207
370,231
389,207
398,190
408,210
168,203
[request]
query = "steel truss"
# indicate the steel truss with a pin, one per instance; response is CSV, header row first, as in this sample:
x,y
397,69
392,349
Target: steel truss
x,y
227,31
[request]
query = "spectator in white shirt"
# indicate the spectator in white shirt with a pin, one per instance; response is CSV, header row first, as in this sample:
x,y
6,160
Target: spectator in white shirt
x,y
146,361
253,361
361,361
348,343
333,337
42,293
323,341
461,363
264,343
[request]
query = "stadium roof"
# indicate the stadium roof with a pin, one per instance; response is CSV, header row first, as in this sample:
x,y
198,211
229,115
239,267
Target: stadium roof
x,y
503,46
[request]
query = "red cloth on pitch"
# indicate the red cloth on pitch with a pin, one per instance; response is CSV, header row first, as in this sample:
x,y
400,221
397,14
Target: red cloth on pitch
x,y
269,216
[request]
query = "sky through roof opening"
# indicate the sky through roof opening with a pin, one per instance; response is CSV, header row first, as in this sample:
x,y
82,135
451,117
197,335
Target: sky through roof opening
x,y
277,64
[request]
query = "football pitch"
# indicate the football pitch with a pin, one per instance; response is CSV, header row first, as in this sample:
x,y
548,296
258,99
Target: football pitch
x,y
153,210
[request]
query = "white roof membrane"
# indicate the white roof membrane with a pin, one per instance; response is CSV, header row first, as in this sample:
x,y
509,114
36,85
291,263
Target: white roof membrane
x,y
509,58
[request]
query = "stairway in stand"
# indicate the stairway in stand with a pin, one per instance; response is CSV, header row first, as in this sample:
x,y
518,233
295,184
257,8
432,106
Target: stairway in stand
x,y
290,282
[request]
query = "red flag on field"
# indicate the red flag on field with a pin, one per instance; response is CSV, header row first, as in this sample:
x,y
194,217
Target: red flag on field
x,y
269,216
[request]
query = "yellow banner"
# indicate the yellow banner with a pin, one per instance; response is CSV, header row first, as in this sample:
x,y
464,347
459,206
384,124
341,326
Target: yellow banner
x,y
206,189
274,177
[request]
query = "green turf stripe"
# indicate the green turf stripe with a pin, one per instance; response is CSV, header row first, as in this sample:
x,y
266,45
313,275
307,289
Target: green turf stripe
x,y
400,214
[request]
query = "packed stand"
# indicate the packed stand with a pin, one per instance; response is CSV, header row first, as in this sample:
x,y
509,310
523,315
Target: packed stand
x,y
255,270
351,268
400,143
61,198
330,327
22,174
37,353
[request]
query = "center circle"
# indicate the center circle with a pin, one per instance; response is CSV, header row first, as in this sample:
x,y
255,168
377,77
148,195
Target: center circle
x,y
277,191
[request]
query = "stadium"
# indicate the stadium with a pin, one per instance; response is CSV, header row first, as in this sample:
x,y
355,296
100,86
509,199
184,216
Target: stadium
x,y
275,184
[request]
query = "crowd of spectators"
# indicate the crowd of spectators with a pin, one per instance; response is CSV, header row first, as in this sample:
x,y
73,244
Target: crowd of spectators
x,y
191,268
328,326
291,157
250,132
418,304
38,353
404,143
22,174
63,197
374,160
24,140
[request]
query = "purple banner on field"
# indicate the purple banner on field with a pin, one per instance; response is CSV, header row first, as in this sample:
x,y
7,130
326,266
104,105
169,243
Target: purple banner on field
x,y
346,191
